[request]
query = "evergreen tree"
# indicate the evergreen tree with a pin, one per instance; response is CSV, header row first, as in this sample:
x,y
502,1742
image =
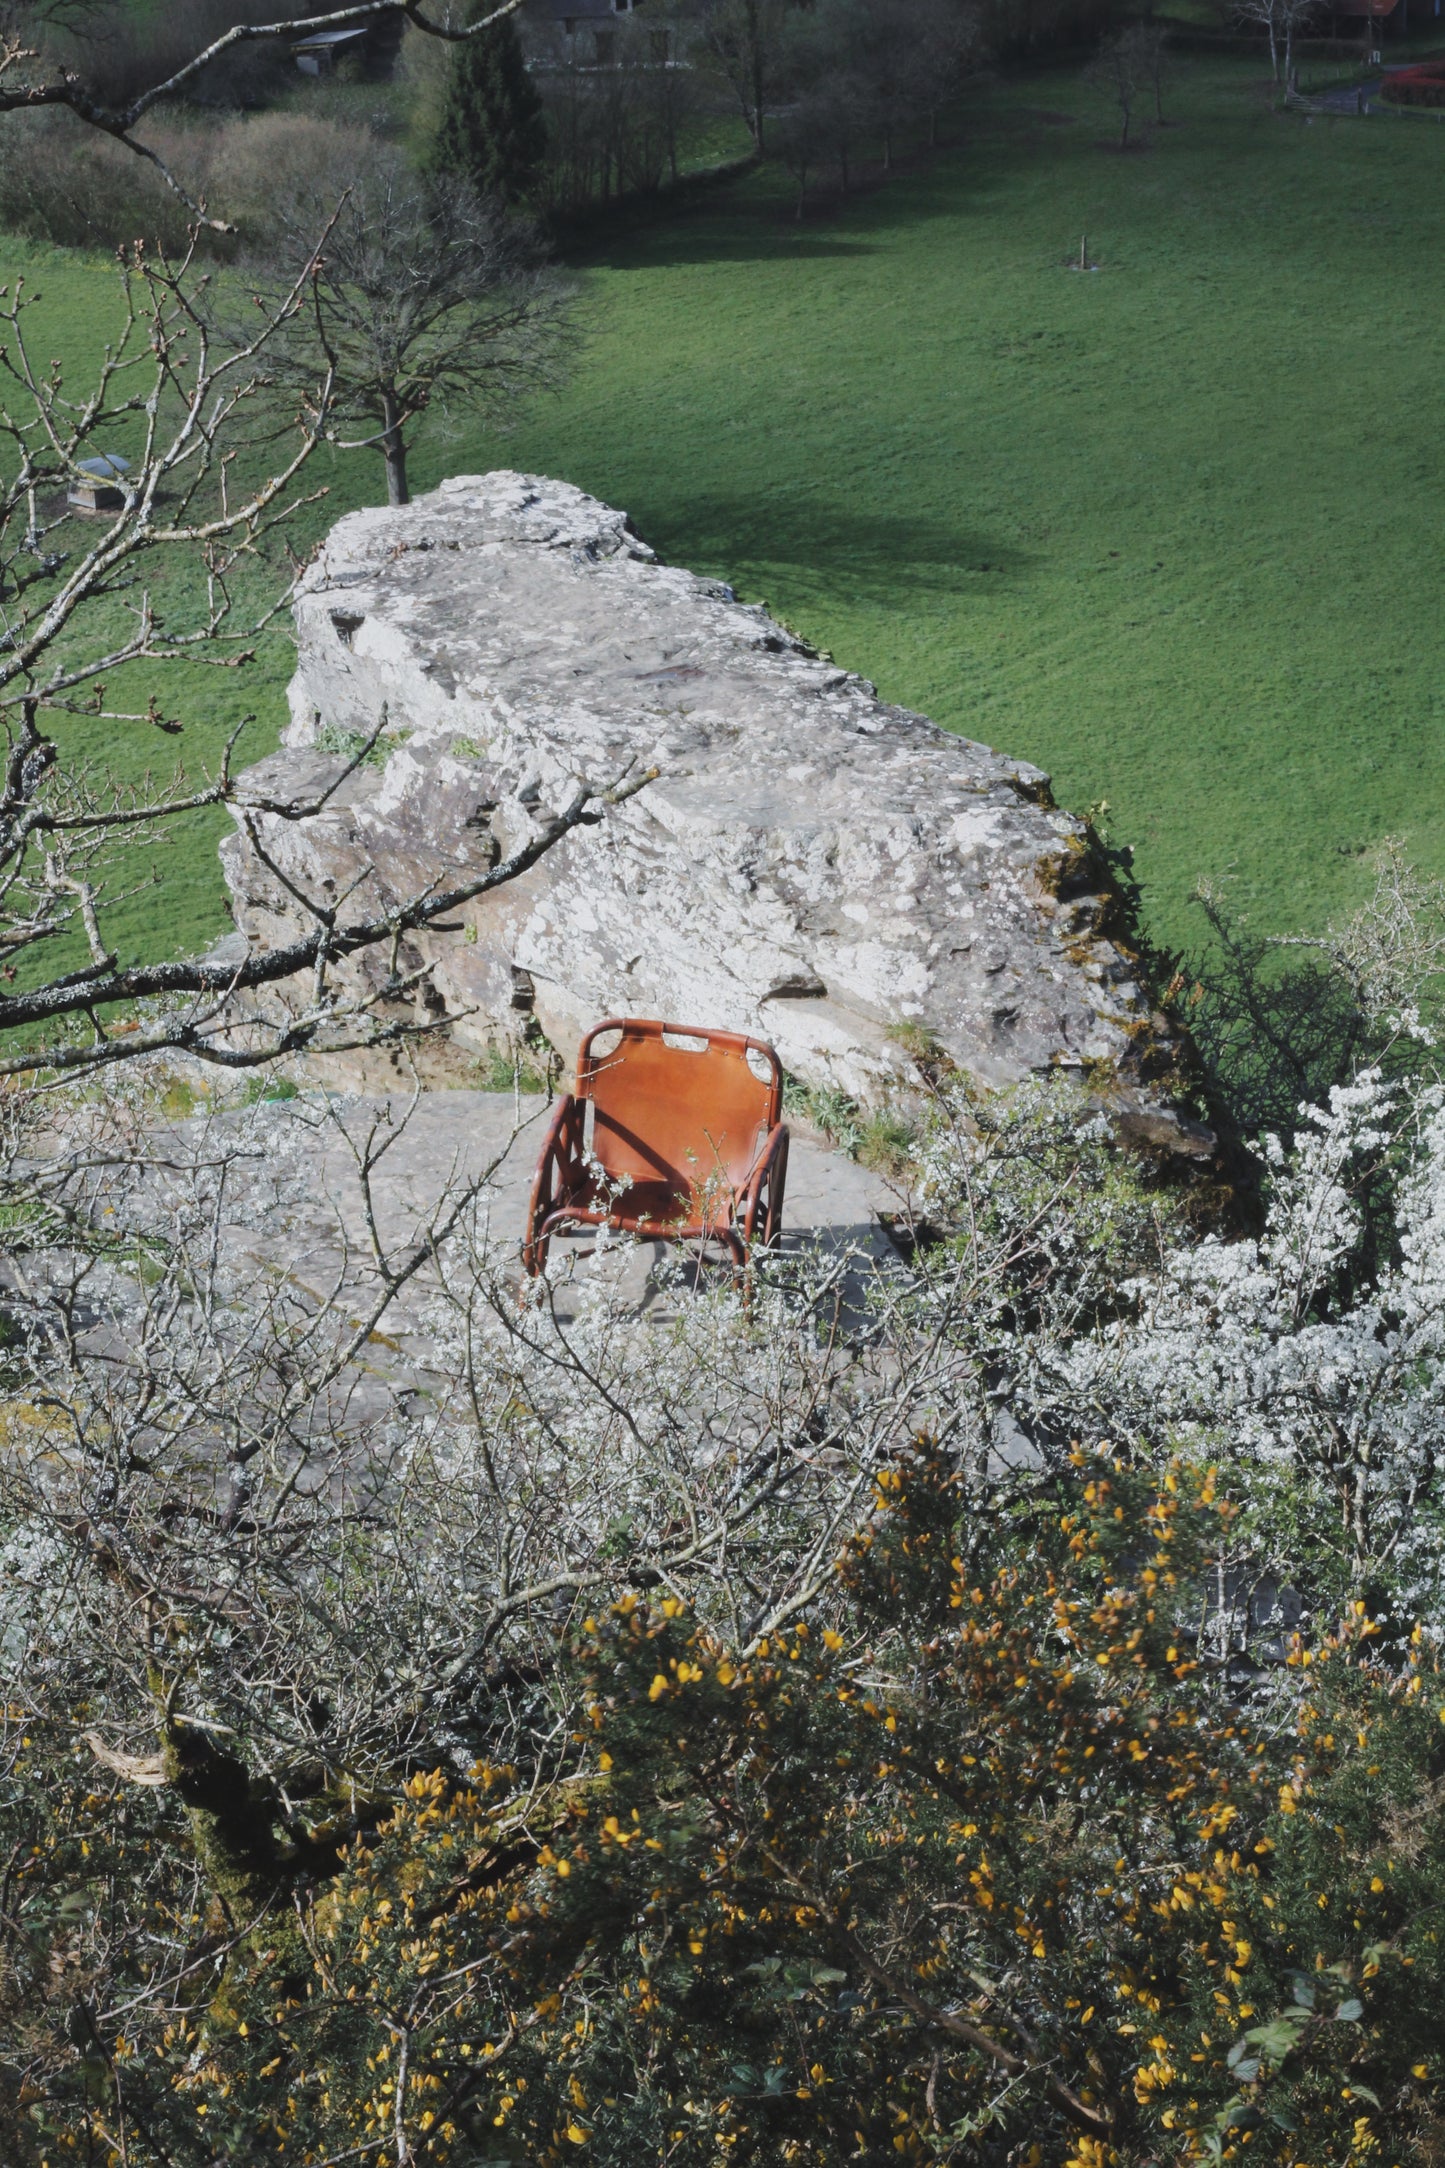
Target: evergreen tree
x,y
492,130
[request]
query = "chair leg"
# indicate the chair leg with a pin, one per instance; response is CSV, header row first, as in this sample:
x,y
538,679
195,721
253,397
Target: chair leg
x,y
537,1239
557,1162
777,1185
763,1222
539,1244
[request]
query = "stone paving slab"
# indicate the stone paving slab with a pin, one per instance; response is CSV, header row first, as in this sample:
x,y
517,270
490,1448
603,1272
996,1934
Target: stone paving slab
x,y
447,1138
454,1135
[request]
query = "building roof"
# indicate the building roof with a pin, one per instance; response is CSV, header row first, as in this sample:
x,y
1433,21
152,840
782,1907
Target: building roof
x,y
109,467
579,11
328,40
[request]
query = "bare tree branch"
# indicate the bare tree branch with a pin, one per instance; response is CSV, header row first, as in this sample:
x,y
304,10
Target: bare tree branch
x,y
118,121
106,983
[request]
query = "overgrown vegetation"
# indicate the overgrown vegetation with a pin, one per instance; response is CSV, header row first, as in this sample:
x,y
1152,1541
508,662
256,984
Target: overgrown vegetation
x,y
999,1707
981,1706
978,1855
879,1137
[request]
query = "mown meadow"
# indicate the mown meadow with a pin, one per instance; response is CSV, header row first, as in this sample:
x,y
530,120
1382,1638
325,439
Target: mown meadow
x,y
1169,527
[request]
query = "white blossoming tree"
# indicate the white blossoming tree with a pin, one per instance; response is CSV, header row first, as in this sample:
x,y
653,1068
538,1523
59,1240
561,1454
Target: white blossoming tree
x,y
1307,1358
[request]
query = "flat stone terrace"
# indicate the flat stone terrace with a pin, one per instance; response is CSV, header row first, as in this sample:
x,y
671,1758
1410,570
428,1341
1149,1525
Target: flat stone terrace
x,y
314,1229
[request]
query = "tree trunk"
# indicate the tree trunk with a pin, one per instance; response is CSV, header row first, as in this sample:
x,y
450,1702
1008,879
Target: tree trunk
x,y
1273,51
232,1825
888,150
249,1861
393,445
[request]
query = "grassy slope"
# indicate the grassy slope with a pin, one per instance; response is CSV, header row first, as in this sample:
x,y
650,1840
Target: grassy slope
x,y
169,887
1171,529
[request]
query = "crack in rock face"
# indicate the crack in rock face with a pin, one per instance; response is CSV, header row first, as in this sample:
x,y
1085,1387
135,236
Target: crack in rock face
x,y
812,864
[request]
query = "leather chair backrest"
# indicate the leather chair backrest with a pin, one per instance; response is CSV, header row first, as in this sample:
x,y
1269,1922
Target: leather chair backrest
x,y
676,1103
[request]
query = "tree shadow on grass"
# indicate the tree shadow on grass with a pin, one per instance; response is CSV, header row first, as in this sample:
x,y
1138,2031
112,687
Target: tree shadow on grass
x,y
741,232
853,551
751,217
759,225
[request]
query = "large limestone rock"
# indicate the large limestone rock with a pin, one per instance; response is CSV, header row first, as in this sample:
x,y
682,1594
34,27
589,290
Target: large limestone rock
x,y
812,864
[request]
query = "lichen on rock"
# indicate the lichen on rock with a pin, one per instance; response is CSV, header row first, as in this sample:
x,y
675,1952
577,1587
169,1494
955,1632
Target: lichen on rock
x,y
812,863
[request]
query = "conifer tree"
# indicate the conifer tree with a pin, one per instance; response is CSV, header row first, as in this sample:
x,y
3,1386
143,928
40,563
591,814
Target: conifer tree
x,y
493,132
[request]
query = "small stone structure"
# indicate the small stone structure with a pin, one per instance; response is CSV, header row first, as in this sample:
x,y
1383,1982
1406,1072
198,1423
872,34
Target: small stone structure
x,y
812,864
99,484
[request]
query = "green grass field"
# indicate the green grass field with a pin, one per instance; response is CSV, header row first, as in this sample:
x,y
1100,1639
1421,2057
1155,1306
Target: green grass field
x,y
1171,528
